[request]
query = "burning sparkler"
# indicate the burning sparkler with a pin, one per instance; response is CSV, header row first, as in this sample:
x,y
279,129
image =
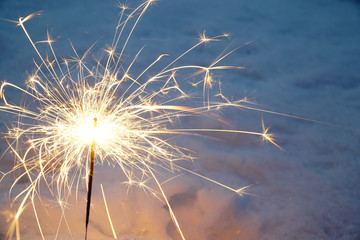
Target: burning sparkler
x,y
91,173
78,109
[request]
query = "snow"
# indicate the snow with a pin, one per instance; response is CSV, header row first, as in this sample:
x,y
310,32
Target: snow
x,y
303,60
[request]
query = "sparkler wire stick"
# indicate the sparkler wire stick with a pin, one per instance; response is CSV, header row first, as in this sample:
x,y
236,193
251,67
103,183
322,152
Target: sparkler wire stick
x,y
91,172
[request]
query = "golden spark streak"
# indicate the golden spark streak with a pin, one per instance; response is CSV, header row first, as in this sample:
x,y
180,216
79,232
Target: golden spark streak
x,y
107,212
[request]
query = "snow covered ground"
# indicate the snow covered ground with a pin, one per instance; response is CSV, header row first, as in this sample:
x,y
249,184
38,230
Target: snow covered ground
x,y
303,60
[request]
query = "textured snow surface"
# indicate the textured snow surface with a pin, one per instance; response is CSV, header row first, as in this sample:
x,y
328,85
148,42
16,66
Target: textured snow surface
x,y
304,60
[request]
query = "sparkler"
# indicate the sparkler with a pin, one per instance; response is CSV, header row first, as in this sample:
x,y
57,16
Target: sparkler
x,y
91,173
125,119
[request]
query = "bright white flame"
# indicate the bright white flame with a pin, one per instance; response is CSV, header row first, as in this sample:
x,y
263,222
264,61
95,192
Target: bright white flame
x,y
87,132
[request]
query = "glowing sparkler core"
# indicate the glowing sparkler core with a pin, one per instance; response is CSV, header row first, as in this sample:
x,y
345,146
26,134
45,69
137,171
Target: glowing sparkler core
x,y
87,132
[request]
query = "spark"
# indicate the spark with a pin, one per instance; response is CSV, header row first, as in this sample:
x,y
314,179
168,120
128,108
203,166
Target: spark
x,y
55,136
108,213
